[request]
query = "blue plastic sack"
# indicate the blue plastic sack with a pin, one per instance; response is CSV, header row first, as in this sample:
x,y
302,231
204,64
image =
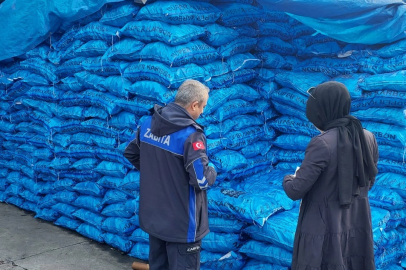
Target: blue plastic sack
x,y
278,230
92,139
118,242
290,111
394,181
91,98
149,31
390,165
217,130
103,67
222,225
115,156
216,68
47,214
131,181
237,14
290,97
388,81
28,196
97,31
85,164
392,50
117,225
91,232
245,206
139,236
281,155
253,264
272,60
109,182
153,91
70,67
3,184
137,106
377,65
92,48
89,188
265,88
381,115
227,80
242,61
267,253
14,190
89,217
155,71
387,134
329,67
180,12
385,198
256,149
379,99
64,184
140,251
40,67
89,80
44,93
29,78
228,160
111,169
300,81
114,196
214,146
65,209
238,91
277,29
293,125
292,142
66,196
71,83
116,85
58,57
217,35
28,206
238,45
233,108
275,45
124,210
241,138
196,52
120,15
220,242
218,261
126,49
89,202
328,49
67,223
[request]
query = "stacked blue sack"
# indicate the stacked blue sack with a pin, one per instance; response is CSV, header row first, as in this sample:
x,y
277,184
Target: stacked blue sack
x,y
69,106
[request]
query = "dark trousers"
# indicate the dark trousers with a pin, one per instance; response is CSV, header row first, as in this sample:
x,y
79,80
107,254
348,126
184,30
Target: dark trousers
x,y
173,256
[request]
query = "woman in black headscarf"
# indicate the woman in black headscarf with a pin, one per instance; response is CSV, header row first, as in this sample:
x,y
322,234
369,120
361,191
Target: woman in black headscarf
x,y
334,228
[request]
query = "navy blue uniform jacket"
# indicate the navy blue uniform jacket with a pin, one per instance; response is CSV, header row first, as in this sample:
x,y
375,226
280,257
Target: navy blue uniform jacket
x,y
169,150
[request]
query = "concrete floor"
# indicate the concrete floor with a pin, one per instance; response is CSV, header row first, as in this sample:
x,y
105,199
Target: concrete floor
x,y
34,244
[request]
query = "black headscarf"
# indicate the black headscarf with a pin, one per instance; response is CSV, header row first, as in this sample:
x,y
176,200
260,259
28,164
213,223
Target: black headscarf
x,y
328,106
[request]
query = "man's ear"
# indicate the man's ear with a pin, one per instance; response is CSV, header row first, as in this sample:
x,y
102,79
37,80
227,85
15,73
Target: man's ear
x,y
195,105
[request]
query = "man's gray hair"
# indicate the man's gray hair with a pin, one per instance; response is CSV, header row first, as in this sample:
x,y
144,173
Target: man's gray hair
x,y
190,91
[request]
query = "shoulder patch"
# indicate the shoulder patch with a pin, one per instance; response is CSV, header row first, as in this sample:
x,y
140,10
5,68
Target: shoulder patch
x,y
199,145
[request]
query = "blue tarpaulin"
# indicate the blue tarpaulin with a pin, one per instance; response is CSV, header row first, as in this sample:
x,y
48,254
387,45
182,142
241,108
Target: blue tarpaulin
x,y
352,21
25,24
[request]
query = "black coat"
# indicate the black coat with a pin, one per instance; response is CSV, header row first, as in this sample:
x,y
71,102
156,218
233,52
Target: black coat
x,y
170,152
329,237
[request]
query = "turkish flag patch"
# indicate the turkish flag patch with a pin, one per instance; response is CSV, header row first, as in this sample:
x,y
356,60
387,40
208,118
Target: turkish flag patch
x,y
198,146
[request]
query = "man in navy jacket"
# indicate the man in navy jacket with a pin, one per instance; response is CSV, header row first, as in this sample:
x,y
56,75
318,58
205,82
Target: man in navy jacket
x,y
169,150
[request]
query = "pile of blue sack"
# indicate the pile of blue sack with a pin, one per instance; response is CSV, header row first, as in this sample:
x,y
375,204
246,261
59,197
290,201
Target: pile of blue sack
x,y
69,106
